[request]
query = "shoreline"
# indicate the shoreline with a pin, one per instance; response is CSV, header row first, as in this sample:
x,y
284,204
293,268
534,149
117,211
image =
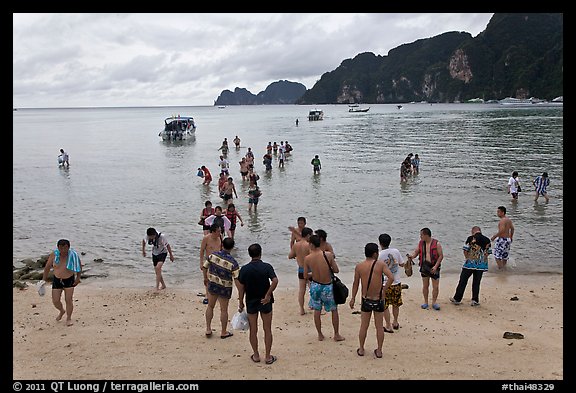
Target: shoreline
x,y
136,333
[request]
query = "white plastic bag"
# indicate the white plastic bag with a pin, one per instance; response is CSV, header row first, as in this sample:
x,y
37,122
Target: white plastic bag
x,y
41,289
240,321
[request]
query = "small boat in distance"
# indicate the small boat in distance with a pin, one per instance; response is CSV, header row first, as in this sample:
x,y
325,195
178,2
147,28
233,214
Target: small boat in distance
x,y
178,128
315,115
399,106
358,109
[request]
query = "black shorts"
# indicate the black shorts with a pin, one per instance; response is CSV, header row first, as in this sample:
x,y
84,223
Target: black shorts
x,y
254,306
159,258
61,283
227,196
232,227
369,305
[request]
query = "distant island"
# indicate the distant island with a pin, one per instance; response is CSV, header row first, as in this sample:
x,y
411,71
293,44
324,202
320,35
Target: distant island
x,y
518,55
281,92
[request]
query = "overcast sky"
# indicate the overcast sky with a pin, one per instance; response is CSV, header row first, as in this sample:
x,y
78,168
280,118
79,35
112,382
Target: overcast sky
x,y
72,60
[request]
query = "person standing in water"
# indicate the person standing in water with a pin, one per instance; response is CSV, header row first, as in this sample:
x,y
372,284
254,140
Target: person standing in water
x,y
540,184
63,158
317,165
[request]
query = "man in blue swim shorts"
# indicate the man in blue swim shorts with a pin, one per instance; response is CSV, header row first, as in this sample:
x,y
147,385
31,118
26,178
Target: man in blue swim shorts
x,y
321,290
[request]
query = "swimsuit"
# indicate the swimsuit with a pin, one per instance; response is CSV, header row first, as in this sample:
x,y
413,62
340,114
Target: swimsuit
x,y
159,258
61,283
394,295
322,294
502,248
301,272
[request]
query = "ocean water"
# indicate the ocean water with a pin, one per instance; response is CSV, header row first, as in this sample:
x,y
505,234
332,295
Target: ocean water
x,y
123,179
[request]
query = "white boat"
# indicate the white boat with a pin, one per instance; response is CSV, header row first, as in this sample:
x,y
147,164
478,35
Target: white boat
x,y
515,101
315,115
178,128
359,109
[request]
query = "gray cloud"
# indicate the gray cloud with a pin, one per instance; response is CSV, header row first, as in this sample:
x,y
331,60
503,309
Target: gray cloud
x,y
188,59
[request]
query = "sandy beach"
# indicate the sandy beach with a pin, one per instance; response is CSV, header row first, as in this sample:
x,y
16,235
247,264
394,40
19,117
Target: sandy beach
x,y
139,334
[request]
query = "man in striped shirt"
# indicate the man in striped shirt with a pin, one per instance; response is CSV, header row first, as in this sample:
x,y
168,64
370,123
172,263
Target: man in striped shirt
x,y
220,269
541,183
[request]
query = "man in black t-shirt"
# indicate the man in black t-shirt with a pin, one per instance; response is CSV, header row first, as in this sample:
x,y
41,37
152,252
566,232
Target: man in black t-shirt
x,y
257,280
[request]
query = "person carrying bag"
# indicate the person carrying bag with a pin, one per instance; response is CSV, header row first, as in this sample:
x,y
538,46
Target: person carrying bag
x,y
340,289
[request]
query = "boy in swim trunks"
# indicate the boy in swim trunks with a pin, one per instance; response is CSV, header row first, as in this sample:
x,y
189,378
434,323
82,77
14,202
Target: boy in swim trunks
x,y
503,238
66,277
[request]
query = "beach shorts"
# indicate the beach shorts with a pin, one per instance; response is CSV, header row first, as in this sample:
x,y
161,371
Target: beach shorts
x,y
159,258
61,283
501,248
253,201
316,168
369,305
219,290
244,173
227,196
255,306
394,295
232,227
425,271
322,294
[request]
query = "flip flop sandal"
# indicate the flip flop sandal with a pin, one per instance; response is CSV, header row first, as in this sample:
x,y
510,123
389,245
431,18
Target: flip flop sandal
x,y
270,361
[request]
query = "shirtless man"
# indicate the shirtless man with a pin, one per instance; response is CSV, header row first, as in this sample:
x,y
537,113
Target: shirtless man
x,y
67,272
370,272
297,232
324,245
228,190
244,168
237,142
503,238
321,292
299,251
212,242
